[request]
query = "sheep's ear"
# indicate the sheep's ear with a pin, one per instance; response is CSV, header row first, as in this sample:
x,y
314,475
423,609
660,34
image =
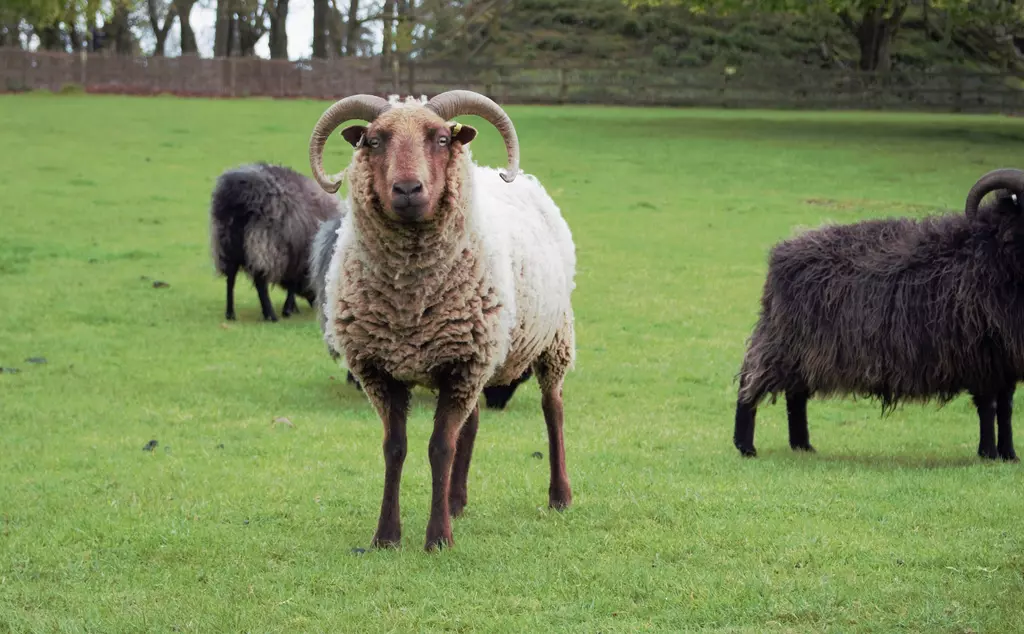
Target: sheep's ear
x,y
463,133
355,134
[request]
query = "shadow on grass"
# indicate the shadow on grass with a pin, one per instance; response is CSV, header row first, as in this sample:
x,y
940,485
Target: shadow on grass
x,y
881,462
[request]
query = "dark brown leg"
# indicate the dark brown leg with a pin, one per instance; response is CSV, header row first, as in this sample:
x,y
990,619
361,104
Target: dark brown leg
x,y
453,408
559,491
458,497
391,398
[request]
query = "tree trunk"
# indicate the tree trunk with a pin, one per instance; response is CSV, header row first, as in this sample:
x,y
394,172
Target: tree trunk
x,y
278,12
335,30
188,37
352,27
389,32
222,29
9,34
118,31
320,10
160,31
875,32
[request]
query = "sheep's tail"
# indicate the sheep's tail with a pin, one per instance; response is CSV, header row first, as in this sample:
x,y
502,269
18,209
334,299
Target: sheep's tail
x,y
230,211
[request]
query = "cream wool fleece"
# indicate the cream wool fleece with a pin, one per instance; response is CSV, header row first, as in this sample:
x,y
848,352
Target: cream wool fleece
x,y
486,285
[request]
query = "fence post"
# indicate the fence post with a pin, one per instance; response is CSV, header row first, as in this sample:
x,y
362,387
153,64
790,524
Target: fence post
x,y
83,74
958,92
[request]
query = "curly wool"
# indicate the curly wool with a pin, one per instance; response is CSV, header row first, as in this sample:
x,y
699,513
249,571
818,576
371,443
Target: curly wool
x,y
893,309
263,217
484,286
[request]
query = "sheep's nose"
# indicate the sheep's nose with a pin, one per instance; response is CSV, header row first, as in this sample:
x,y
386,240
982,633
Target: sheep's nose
x,y
407,188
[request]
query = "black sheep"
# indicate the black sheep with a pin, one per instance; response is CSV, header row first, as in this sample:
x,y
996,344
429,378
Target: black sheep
x,y
898,310
262,220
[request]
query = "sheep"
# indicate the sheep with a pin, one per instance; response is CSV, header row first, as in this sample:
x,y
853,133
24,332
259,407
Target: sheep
x,y
446,275
262,218
897,310
495,396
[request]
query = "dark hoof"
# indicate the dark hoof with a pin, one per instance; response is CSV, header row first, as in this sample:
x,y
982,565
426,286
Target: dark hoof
x,y
988,453
456,507
272,318
1009,456
386,541
439,542
747,452
230,316
805,447
559,501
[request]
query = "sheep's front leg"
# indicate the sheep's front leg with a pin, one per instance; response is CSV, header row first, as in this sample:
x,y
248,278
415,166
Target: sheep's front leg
x,y
455,404
458,497
391,400
986,406
1004,412
796,414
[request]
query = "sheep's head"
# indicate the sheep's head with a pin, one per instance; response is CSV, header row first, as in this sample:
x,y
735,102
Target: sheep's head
x,y
1009,183
409,146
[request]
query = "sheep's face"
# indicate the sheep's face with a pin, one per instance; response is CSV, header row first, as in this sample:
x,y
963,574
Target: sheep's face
x,y
409,148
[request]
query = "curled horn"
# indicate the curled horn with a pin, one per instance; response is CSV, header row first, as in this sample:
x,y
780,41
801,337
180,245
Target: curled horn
x,y
1007,178
365,107
453,103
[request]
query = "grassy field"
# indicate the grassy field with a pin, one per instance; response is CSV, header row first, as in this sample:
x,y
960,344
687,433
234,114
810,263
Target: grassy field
x,y
234,523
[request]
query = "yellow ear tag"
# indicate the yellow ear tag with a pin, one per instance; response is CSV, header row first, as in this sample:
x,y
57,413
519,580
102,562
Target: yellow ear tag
x,y
456,129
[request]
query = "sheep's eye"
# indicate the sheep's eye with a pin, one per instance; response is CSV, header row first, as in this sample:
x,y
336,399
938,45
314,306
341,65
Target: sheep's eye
x,y
442,141
375,142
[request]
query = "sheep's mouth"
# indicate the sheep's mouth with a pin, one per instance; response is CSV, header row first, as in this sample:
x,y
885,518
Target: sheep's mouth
x,y
409,209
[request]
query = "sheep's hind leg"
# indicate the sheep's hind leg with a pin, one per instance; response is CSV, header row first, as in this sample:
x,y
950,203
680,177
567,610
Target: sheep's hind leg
x,y
289,308
391,400
550,370
229,308
458,496
455,403
260,281
796,413
1004,412
986,406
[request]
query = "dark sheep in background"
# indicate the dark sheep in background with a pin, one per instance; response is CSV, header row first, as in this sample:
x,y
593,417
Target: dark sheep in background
x,y
262,220
898,310
496,397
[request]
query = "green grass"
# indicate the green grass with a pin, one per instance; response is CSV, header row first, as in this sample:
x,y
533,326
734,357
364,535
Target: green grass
x,y
237,524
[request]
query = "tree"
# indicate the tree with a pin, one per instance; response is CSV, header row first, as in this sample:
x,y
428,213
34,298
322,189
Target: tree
x,y
183,8
223,28
321,10
352,27
874,23
250,24
160,31
277,11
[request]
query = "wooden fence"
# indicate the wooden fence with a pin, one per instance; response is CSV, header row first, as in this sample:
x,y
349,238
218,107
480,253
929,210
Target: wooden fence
x,y
765,87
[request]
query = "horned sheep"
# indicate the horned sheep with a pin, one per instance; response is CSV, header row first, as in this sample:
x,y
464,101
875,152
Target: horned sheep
x,y
898,310
447,275
262,220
